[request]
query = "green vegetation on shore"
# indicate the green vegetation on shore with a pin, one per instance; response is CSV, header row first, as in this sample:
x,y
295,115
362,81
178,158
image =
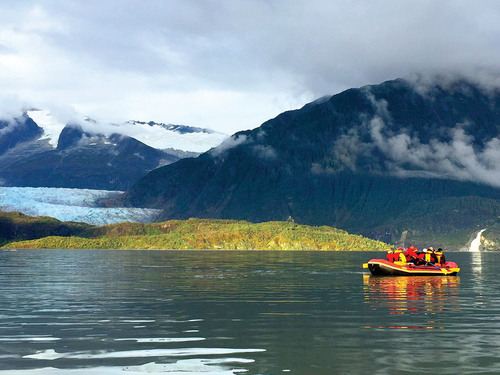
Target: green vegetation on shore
x,y
21,231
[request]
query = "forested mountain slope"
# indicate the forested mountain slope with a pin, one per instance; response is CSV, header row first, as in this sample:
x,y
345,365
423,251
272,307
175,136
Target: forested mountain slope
x,y
403,160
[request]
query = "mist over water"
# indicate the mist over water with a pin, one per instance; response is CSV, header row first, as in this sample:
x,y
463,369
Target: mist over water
x,y
230,312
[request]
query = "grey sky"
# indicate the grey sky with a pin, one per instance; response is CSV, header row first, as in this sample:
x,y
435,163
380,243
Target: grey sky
x,y
228,64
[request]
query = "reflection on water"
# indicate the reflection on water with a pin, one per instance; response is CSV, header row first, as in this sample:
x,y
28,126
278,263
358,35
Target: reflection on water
x,y
477,263
414,295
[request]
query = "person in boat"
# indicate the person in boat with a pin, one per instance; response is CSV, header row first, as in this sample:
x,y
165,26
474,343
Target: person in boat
x,y
430,256
392,255
440,259
411,254
418,259
399,256
421,257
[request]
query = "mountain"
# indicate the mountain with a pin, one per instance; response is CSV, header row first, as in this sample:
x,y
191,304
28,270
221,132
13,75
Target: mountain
x,y
38,151
17,130
403,161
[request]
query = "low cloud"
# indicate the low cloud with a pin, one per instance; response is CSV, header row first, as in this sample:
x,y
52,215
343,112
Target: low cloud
x,y
485,78
229,143
266,152
7,126
11,106
347,149
457,159
405,155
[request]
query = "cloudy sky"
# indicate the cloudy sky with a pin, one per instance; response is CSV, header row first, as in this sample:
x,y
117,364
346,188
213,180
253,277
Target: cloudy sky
x,y
227,64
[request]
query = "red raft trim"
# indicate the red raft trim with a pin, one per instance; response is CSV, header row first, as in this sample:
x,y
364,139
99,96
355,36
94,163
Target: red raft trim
x,y
382,267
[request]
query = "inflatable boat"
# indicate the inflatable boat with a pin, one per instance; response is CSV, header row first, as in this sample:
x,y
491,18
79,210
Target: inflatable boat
x,y
382,267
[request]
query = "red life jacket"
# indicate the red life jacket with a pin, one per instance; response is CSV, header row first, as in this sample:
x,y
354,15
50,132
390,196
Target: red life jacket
x,y
410,253
392,257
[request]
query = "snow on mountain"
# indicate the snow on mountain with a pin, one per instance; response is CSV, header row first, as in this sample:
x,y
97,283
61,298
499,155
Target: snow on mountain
x,y
164,136
157,135
51,127
80,205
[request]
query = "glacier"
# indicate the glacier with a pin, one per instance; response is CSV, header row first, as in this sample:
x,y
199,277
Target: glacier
x,y
80,205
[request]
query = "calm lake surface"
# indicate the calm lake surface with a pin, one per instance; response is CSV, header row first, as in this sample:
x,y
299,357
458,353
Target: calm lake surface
x,y
224,312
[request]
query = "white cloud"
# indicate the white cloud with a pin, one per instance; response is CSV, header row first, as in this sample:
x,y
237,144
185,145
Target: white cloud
x,y
230,65
230,142
265,152
458,158
456,155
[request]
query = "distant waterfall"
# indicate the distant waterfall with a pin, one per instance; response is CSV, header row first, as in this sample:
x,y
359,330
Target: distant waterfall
x,y
474,245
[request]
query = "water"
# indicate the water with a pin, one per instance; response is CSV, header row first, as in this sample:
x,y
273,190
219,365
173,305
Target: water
x,y
206,312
